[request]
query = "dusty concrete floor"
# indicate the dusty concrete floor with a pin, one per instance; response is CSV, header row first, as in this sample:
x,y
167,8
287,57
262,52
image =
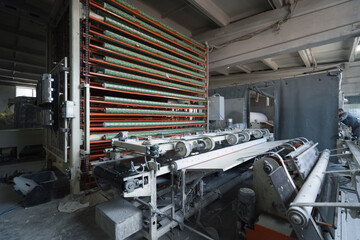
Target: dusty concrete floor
x,y
46,222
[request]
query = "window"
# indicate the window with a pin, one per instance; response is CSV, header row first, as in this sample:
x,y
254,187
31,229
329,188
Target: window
x,y
25,91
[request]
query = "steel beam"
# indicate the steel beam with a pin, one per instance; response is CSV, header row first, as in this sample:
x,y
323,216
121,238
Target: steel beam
x,y
270,63
353,53
305,58
335,21
254,77
210,9
243,68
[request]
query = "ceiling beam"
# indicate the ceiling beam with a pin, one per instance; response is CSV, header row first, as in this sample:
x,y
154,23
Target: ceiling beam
x,y
305,58
352,54
336,20
313,59
210,9
224,72
263,76
270,63
243,68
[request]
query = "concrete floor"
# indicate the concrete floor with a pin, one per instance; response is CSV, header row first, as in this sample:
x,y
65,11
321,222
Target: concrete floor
x,y
46,222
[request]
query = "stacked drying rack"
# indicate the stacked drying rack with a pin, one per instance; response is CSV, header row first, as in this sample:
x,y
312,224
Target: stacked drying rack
x,y
142,76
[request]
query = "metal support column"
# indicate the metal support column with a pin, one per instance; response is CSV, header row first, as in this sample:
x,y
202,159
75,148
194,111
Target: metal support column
x,y
75,95
183,186
153,220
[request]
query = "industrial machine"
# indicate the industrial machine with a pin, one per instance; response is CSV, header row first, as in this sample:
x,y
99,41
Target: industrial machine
x,y
112,67
164,176
296,193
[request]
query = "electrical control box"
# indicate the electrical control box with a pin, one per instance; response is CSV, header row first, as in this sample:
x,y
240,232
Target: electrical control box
x,y
216,108
67,109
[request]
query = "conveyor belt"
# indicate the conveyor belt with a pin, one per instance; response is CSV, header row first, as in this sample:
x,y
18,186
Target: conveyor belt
x,y
248,151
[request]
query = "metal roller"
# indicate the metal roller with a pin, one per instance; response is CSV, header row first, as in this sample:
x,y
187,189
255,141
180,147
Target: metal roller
x,y
244,136
257,133
183,148
309,191
210,143
232,139
265,132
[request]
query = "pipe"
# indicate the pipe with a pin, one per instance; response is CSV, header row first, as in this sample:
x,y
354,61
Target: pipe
x,y
300,215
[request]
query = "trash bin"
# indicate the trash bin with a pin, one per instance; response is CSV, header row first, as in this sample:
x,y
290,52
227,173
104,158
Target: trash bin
x,y
36,188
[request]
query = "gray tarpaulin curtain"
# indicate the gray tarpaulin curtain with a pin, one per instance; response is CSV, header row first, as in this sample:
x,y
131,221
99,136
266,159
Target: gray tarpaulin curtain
x,y
308,106
305,106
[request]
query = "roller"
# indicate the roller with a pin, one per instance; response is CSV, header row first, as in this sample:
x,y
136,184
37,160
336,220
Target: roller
x,y
150,49
149,91
131,124
210,143
265,132
152,19
147,111
308,192
244,137
148,70
232,139
153,40
183,148
152,60
153,133
151,103
257,133
148,26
